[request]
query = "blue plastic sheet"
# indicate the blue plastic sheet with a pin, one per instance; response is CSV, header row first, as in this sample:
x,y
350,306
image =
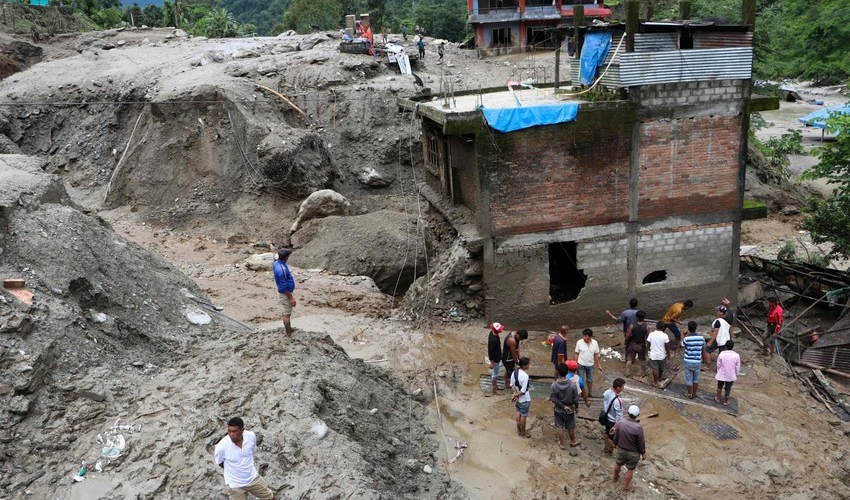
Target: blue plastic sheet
x,y
818,118
512,119
593,54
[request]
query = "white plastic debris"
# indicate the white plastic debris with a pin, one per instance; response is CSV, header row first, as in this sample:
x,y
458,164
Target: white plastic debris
x,y
320,429
427,469
197,317
609,353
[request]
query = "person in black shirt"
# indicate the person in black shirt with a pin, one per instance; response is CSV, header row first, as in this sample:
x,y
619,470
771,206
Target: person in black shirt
x,y
494,353
636,341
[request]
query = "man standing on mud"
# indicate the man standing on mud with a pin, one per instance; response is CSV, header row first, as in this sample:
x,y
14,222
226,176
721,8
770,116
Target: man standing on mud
x,y
510,353
559,348
494,354
627,317
564,395
636,342
613,406
775,315
587,355
235,454
657,342
521,397
285,286
631,445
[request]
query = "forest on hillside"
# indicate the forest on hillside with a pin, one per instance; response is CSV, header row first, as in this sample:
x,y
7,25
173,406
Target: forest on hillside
x,y
801,39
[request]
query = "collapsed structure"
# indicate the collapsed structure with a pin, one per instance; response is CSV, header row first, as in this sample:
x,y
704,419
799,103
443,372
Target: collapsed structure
x,y
578,203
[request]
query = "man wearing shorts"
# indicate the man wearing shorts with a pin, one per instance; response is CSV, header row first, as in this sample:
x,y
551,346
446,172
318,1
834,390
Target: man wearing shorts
x,y
510,353
657,342
613,405
631,445
559,348
235,454
636,341
587,355
564,397
521,397
694,345
285,286
494,354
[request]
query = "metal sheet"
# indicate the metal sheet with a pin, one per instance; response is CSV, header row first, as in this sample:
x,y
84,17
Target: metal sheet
x,y
656,42
721,39
638,68
835,357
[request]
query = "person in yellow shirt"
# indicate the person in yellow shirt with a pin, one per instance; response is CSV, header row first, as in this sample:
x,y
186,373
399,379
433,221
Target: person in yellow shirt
x,y
671,319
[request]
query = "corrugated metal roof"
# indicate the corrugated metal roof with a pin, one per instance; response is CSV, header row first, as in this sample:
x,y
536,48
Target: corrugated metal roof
x,y
838,334
644,68
722,39
656,42
835,357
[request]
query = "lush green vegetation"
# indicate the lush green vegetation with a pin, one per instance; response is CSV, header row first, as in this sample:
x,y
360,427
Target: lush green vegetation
x,y
829,219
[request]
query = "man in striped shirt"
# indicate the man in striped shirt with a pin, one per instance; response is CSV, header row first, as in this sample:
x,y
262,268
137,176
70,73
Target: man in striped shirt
x,y
694,344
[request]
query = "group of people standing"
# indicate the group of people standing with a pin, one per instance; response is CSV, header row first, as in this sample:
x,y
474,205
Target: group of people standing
x,y
697,349
573,384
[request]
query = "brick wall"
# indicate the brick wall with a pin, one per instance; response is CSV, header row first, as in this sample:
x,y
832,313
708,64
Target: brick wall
x,y
562,176
688,165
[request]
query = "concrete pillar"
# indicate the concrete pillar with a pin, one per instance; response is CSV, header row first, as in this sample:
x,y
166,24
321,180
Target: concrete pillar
x,y
578,24
684,9
749,14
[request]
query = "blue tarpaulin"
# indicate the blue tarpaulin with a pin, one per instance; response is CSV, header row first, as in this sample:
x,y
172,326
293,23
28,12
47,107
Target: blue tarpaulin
x,y
593,54
511,119
818,118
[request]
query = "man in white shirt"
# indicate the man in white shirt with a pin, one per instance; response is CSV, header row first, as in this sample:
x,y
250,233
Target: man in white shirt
x,y
235,454
521,397
657,342
587,355
720,335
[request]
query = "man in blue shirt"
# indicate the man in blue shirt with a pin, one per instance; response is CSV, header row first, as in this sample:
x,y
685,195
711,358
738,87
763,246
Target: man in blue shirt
x,y
285,286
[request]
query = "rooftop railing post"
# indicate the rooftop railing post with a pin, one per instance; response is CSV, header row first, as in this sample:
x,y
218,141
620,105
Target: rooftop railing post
x,y
632,23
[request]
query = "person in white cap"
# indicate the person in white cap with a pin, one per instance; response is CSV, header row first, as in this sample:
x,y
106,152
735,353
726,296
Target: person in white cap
x,y
494,354
631,445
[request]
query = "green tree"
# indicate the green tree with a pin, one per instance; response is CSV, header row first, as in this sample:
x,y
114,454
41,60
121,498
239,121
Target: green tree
x,y
305,16
152,15
133,15
828,220
219,23
107,18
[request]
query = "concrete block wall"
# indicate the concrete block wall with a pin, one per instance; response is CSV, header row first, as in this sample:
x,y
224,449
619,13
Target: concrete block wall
x,y
691,255
689,93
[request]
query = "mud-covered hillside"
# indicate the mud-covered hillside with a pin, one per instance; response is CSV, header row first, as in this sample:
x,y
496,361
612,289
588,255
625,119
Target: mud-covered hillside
x,y
111,356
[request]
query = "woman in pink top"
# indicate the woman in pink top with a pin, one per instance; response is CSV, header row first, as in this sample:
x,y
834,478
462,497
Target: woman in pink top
x,y
728,366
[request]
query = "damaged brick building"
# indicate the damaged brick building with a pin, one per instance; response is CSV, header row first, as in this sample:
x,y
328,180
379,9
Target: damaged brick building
x,y
638,196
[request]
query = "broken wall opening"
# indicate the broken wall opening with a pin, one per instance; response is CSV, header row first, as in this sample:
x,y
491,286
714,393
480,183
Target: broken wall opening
x,y
655,277
566,280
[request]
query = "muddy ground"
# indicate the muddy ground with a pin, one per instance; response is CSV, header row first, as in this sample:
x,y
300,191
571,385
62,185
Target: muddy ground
x,y
368,400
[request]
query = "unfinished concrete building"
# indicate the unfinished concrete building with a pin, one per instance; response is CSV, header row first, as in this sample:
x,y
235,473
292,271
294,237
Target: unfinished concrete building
x,y
638,196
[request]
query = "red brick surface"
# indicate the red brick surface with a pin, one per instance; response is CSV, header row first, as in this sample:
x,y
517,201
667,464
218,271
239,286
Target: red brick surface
x,y
555,177
688,166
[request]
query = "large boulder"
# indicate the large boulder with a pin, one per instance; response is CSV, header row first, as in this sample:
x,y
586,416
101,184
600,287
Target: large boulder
x,y
322,203
387,246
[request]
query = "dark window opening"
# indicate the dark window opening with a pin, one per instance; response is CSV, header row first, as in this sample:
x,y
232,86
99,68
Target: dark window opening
x,y
539,37
655,277
565,278
502,37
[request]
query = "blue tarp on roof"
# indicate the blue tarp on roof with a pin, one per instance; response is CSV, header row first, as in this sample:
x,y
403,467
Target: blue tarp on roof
x,y
512,119
818,118
593,54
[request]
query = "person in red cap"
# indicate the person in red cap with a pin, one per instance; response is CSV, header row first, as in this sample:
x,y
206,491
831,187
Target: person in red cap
x,y
494,353
572,367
